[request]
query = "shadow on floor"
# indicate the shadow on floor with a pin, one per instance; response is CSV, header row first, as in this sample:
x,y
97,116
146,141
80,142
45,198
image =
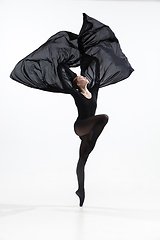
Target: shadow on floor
x,y
139,214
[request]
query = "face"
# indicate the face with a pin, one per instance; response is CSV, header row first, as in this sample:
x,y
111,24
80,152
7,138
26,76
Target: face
x,y
82,81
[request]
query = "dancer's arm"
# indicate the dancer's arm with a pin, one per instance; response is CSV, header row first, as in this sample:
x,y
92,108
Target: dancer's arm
x,y
66,76
90,68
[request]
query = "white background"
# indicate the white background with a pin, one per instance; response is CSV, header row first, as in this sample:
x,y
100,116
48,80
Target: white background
x,y
38,147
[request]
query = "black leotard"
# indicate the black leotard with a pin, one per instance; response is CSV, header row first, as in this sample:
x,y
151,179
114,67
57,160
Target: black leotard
x,y
86,107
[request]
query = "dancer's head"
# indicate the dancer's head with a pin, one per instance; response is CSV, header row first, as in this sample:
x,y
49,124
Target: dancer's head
x,y
80,82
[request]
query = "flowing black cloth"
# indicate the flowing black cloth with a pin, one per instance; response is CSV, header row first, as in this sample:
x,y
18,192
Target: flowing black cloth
x,y
95,41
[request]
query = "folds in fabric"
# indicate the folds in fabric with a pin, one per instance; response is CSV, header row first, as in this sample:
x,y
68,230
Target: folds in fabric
x,y
96,43
98,40
39,69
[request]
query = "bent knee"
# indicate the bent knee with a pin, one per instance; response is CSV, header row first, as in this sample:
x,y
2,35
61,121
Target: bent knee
x,y
105,118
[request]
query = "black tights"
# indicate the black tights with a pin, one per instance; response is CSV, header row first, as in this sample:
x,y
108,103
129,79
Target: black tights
x,y
88,130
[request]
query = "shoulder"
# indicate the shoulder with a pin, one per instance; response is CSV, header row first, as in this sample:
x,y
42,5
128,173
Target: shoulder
x,y
75,93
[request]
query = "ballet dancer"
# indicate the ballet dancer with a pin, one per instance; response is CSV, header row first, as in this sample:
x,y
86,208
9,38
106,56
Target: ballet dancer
x,y
87,126
98,53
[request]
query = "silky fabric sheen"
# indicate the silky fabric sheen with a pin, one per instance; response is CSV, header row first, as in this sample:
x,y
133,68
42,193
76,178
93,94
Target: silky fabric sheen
x,y
95,41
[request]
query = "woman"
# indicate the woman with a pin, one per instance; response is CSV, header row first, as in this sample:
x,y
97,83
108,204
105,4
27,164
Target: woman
x,y
88,129
98,53
87,126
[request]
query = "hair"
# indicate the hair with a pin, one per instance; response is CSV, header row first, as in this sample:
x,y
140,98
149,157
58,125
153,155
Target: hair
x,y
74,83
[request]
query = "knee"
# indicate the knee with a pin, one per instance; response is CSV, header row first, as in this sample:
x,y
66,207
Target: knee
x,y
105,118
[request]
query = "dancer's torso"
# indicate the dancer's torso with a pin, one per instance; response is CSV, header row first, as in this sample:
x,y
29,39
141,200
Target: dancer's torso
x,y
86,106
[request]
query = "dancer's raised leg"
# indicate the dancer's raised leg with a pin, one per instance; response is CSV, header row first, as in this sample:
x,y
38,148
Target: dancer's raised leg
x,y
87,145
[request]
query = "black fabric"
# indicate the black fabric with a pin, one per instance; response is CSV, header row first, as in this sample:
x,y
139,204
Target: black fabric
x,y
98,40
95,40
39,69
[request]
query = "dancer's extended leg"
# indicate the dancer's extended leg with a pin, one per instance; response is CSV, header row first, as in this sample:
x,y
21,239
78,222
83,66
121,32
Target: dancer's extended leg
x,y
92,127
83,155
